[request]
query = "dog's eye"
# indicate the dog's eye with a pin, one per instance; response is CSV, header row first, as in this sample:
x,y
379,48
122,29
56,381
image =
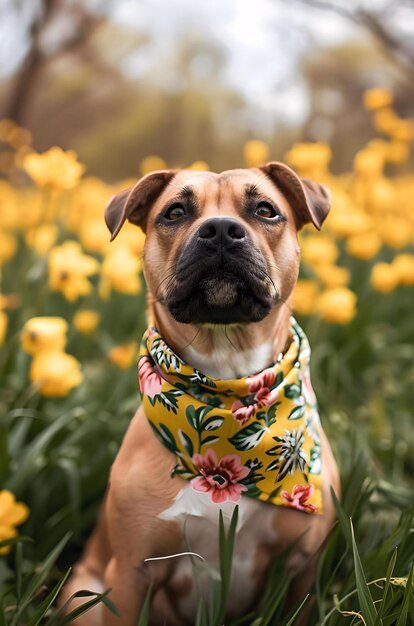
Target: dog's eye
x,y
175,212
265,209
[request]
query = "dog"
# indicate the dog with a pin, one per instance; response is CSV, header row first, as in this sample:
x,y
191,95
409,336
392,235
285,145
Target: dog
x,y
221,259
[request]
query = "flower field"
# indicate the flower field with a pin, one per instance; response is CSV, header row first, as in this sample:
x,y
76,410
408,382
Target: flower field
x,y
72,312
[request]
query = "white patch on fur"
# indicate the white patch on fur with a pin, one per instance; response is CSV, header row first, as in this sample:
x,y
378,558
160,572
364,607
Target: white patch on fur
x,y
225,362
198,517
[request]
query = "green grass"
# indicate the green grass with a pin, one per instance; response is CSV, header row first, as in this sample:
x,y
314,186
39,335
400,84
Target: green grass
x,y
55,456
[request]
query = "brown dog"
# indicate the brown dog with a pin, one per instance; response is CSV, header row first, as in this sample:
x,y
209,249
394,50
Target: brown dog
x,y
250,219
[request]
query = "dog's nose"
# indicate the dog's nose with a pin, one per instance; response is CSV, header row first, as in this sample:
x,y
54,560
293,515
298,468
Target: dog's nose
x,y
221,230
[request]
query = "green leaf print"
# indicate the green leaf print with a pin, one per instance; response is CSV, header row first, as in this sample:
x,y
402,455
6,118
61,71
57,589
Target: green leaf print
x,y
293,391
187,443
213,423
297,412
247,438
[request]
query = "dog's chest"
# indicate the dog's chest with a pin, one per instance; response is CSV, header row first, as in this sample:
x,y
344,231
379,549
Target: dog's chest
x,y
198,517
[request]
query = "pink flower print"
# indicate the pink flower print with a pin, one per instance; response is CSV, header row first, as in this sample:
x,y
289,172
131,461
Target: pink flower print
x,y
262,380
297,500
220,478
259,384
150,381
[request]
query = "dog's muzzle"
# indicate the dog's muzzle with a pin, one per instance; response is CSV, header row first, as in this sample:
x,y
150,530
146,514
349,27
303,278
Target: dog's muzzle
x,y
221,277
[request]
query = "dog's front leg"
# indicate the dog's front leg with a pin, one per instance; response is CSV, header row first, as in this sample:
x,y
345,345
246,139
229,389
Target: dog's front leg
x,y
129,587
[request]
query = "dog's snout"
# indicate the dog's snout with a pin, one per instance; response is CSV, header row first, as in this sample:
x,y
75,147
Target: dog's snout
x,y
221,230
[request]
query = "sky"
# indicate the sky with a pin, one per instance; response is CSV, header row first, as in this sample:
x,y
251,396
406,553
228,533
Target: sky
x,y
263,40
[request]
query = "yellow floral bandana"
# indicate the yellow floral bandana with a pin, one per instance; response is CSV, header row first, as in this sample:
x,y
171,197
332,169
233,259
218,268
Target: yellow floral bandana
x,y
256,436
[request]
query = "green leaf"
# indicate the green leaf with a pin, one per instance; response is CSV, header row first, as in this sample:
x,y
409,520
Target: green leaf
x,y
48,601
390,570
247,438
407,598
146,608
297,412
368,610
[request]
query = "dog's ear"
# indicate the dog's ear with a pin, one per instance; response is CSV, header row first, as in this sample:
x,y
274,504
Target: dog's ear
x,y
134,203
310,201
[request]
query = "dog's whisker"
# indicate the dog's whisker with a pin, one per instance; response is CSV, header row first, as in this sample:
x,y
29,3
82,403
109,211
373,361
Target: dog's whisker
x,y
173,556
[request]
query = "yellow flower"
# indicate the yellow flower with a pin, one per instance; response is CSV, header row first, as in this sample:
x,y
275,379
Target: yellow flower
x,y
120,271
54,168
69,269
198,166
130,237
42,238
152,163
256,152
369,163
386,121
86,321
8,246
318,250
348,223
395,231
384,277
403,130
12,514
403,265
332,275
3,326
304,296
44,334
397,152
55,373
123,356
377,98
310,159
94,235
364,246
337,306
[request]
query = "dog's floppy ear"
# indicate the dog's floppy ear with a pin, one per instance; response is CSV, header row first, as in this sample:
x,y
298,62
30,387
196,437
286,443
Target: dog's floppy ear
x,y
134,203
310,201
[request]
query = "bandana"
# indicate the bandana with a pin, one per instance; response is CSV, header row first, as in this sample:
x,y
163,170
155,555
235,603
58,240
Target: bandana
x,y
255,436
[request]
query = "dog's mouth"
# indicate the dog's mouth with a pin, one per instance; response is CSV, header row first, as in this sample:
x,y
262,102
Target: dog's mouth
x,y
224,291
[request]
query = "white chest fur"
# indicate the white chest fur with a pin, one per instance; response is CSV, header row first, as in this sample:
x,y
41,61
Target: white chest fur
x,y
198,517
226,362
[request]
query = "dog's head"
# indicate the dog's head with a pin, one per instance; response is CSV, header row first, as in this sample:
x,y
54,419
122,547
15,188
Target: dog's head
x,y
220,248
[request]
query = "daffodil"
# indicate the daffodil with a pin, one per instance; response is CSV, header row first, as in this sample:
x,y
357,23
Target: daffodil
x,y
337,306
12,514
123,356
318,250
42,238
3,326
8,246
310,159
369,163
120,271
403,265
54,168
44,334
256,152
364,246
55,373
395,231
332,275
377,98
304,296
152,163
198,166
69,270
384,277
86,321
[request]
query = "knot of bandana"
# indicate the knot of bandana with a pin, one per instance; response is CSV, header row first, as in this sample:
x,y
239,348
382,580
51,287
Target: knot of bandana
x,y
257,436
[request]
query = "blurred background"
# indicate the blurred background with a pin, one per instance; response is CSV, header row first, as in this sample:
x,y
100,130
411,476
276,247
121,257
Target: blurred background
x,y
95,93
119,79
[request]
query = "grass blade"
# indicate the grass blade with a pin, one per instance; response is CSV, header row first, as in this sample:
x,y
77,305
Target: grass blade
x,y
145,612
366,602
48,601
390,570
408,596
